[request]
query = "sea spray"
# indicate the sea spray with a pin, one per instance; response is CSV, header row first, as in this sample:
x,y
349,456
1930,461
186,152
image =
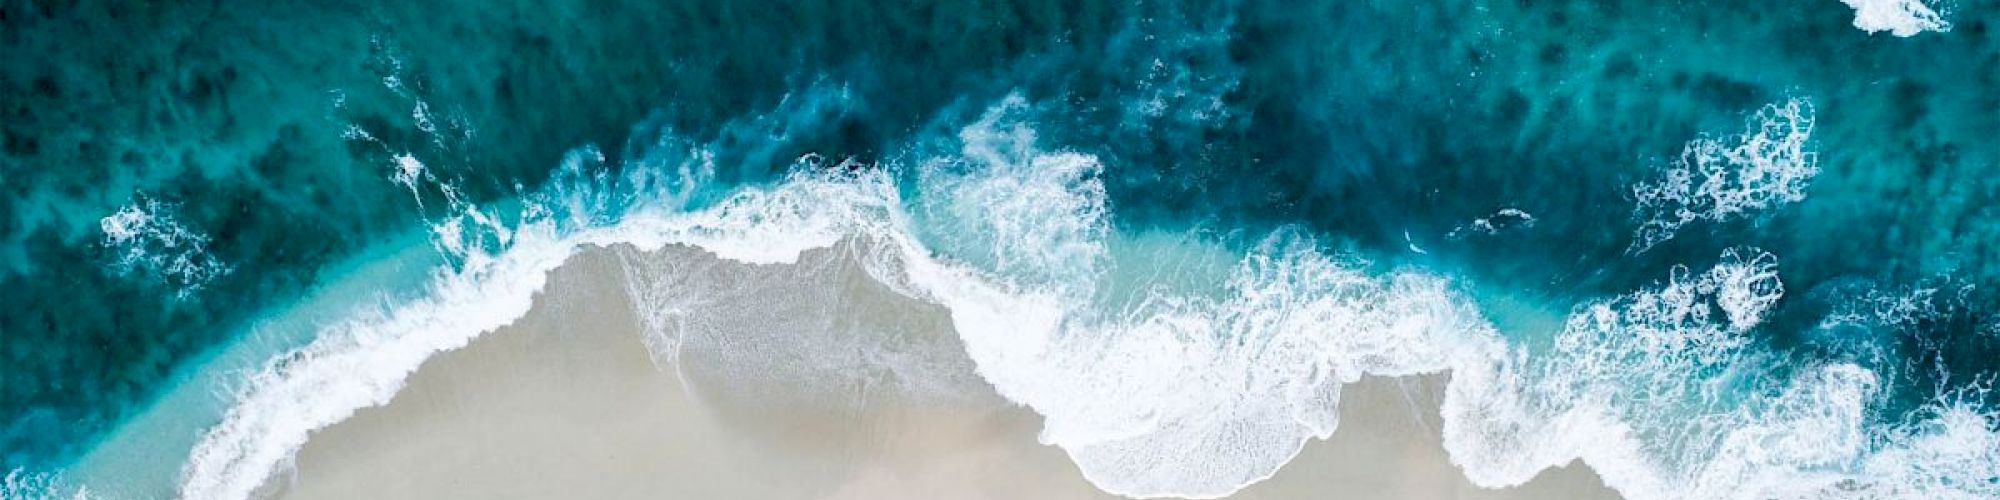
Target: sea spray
x,y
1012,238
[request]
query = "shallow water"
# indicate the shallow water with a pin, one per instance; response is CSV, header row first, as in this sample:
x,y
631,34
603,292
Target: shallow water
x,y
1746,215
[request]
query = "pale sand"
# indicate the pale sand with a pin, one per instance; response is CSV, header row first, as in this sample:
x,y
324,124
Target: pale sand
x,y
568,403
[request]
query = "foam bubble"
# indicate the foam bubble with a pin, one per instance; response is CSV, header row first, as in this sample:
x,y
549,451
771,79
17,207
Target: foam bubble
x,y
1665,399
1501,220
409,172
1897,307
1952,454
1139,395
1138,391
1898,17
148,237
23,485
1000,203
1718,179
463,230
1631,387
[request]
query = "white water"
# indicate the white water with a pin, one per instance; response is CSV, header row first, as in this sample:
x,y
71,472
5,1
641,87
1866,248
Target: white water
x,y
20,484
1192,381
1075,319
1718,179
1898,17
148,237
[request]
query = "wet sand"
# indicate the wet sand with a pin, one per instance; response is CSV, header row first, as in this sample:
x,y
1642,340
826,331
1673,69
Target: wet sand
x,y
573,401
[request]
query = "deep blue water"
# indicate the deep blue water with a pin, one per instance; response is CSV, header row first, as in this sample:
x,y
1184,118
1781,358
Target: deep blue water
x,y
1507,145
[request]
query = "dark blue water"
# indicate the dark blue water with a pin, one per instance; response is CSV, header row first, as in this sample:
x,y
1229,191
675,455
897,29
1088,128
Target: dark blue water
x,y
173,171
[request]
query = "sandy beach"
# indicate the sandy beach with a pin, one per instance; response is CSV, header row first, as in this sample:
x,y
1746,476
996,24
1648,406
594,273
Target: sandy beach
x,y
876,402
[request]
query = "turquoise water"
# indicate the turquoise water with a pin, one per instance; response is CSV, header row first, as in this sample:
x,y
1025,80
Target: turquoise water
x,y
172,173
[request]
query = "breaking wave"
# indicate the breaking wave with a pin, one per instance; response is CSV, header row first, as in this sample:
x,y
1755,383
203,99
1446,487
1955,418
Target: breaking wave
x,y
1171,364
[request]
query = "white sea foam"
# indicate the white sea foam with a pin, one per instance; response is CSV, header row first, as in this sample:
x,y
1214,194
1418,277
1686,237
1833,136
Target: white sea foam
x,y
463,230
1194,386
1658,393
1501,220
1893,307
362,362
1130,393
1953,455
1137,392
20,484
148,237
409,172
1898,17
1717,179
497,268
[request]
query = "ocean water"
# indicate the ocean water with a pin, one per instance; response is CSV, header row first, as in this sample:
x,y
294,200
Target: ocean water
x,y
1712,250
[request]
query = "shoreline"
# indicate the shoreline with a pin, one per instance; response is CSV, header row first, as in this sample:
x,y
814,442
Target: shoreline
x,y
570,401
142,456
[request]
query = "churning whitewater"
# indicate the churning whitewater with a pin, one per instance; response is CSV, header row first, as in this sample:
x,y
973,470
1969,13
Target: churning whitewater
x,y
1708,252
1130,368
